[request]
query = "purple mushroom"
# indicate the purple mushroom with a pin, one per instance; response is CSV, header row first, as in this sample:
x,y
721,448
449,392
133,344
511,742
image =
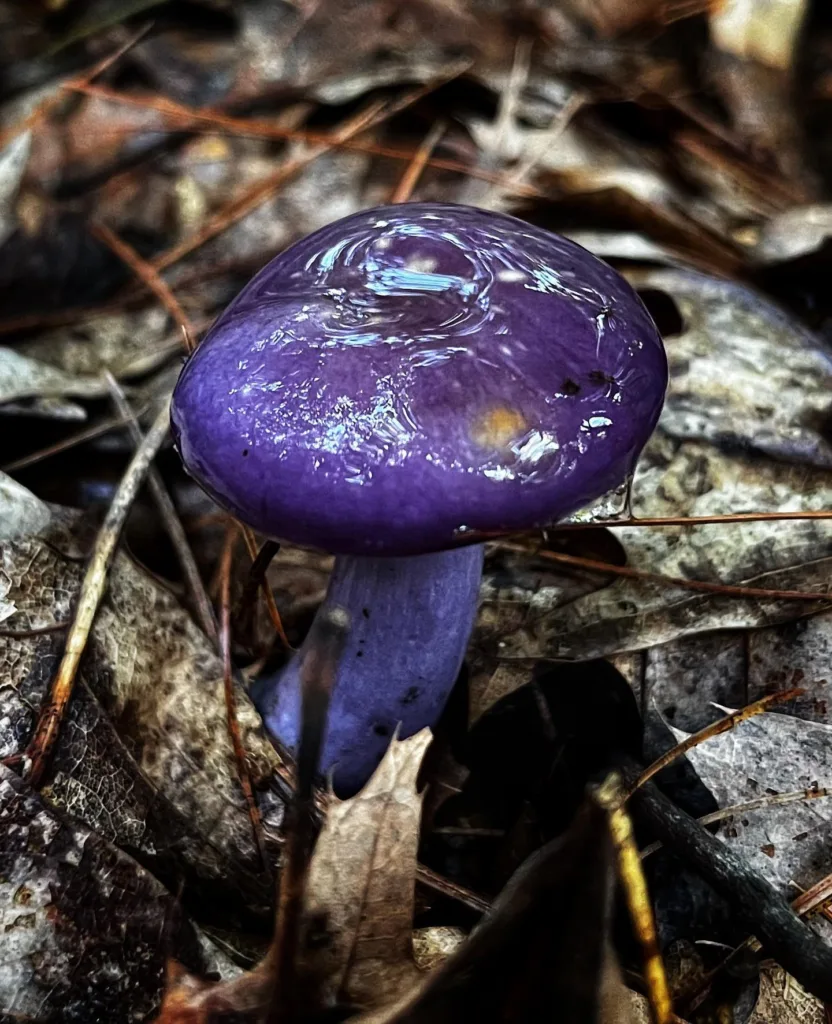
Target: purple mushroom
x,y
392,387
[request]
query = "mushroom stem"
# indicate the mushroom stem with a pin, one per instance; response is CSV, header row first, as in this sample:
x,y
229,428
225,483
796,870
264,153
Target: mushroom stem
x,y
411,620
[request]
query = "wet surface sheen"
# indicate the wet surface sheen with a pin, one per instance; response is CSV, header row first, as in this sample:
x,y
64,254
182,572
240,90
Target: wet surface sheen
x,y
415,369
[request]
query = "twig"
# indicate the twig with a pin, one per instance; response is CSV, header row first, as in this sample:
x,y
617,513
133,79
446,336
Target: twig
x,y
317,671
92,591
170,520
149,276
611,797
404,190
452,890
230,703
763,802
626,571
265,589
756,902
716,728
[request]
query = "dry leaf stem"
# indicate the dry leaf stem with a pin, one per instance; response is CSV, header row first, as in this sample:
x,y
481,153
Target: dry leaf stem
x,y
92,591
413,172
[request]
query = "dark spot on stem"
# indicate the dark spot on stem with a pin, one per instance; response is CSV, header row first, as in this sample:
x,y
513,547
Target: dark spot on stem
x,y
411,695
381,730
245,452
365,612
571,387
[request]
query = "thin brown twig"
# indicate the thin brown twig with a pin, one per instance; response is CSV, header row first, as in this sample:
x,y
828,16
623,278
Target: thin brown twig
x,y
612,798
413,172
230,702
430,878
716,728
763,802
265,589
92,591
170,520
725,589
147,273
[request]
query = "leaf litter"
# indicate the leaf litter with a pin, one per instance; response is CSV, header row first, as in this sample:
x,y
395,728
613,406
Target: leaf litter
x,y
592,119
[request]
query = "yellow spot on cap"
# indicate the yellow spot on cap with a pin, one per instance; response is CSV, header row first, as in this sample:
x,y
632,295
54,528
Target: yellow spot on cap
x,y
499,427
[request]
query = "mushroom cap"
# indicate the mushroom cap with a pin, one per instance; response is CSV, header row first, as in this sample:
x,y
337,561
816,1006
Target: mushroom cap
x,y
413,375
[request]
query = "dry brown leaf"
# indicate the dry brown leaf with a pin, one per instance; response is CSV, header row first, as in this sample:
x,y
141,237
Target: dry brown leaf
x,y
783,1001
85,928
541,953
761,30
24,378
144,756
357,947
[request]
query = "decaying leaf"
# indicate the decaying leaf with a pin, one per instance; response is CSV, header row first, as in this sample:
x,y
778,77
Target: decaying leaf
x,y
86,930
761,30
532,609
783,1001
542,952
793,233
24,378
126,344
357,946
773,753
743,373
13,159
144,756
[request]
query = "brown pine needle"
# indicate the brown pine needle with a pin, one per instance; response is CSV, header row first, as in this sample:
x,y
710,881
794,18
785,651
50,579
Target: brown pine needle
x,y
730,517
230,704
92,591
148,275
42,110
170,520
610,795
372,116
413,172
265,589
725,589
215,120
716,728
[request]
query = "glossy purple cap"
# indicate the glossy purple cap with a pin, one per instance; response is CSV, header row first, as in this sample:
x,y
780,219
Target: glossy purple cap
x,y
414,373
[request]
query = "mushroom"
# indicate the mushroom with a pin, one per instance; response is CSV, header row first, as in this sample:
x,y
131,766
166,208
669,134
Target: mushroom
x,y
391,389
